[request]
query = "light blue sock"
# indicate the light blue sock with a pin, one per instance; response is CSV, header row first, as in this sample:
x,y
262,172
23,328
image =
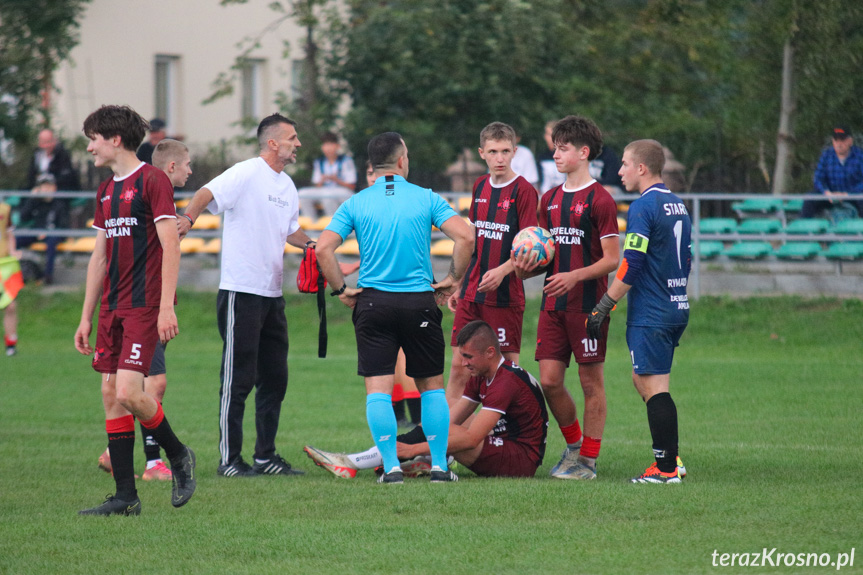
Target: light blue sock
x,y
382,424
435,418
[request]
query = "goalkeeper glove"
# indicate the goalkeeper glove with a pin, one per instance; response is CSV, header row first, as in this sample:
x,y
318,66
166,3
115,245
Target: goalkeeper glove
x,y
598,315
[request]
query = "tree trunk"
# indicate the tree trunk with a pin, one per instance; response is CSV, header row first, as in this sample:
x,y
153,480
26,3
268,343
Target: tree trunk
x,y
785,137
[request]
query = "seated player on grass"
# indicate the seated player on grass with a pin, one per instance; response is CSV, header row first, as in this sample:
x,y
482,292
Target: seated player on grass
x,y
506,438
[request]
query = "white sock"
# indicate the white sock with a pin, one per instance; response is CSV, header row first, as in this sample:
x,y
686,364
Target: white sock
x,y
153,463
367,459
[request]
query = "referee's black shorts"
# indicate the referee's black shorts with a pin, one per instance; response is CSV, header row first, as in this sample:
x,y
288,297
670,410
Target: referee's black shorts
x,y
387,321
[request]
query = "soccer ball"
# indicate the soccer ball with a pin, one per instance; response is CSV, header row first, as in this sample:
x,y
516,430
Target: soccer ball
x,y
534,240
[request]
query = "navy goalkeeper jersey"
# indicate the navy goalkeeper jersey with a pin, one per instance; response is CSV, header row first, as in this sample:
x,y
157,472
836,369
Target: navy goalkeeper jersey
x,y
658,225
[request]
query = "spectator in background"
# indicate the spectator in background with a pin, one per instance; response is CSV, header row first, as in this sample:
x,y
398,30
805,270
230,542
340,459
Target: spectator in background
x,y
50,170
51,158
839,173
604,169
157,134
551,178
524,164
45,212
334,174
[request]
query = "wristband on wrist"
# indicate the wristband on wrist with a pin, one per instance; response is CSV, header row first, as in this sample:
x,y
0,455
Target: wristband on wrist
x,y
191,221
339,291
606,304
310,242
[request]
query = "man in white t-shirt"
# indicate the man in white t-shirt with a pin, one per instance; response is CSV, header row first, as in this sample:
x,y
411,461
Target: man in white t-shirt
x,y
524,164
260,206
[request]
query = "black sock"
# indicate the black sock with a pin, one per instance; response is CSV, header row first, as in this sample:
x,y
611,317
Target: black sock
x,y
122,448
413,436
164,436
399,409
662,417
151,448
415,407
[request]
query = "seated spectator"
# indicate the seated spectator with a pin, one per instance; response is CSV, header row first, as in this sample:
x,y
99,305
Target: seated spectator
x,y
43,211
157,134
838,175
334,178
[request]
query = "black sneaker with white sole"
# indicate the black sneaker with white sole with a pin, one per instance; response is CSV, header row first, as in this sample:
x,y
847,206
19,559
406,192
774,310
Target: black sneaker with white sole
x,y
394,477
183,478
276,465
114,506
438,475
238,468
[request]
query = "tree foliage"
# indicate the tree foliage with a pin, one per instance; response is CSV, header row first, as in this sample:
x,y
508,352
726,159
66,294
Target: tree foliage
x,y
35,37
702,77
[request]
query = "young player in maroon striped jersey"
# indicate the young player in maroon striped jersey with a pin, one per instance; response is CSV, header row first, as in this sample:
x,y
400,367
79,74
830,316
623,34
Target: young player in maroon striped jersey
x,y
582,216
503,203
134,268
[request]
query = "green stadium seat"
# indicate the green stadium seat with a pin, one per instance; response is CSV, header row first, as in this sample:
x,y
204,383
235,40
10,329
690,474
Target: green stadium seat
x,y
793,205
757,206
759,226
808,226
710,249
749,250
798,251
844,251
717,225
850,227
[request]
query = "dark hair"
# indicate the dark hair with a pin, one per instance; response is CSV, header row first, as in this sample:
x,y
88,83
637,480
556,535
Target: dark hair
x,y
480,331
329,138
269,122
385,150
497,131
649,153
578,131
123,121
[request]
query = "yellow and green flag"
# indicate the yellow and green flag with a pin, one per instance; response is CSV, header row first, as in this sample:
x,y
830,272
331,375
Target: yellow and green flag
x,y
11,280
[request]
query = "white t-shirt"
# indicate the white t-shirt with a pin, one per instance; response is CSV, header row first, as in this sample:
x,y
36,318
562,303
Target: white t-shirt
x,y
524,164
261,208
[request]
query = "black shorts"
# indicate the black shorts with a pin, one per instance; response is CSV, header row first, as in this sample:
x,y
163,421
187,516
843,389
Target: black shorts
x,y
157,365
387,321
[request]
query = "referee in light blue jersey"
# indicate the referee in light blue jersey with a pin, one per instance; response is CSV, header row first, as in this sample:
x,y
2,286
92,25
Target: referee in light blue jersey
x,y
654,271
395,300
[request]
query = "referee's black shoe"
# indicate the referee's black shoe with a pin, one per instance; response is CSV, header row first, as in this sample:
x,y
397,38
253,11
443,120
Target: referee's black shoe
x,y
276,465
238,468
438,475
183,478
114,506
394,477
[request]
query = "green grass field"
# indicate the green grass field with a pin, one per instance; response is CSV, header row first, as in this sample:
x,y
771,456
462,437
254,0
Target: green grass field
x,y
768,390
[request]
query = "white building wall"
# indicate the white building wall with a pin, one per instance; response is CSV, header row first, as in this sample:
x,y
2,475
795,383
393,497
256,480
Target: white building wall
x,y
120,39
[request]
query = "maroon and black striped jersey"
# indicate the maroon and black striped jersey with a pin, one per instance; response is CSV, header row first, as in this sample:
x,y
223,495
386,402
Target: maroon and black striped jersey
x,y
498,213
517,396
127,210
578,220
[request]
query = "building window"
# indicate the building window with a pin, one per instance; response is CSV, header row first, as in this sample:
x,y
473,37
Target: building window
x,y
167,79
251,81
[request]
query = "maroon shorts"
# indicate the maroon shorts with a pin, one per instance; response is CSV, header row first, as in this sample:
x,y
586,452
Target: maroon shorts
x,y
126,339
505,321
502,458
561,334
